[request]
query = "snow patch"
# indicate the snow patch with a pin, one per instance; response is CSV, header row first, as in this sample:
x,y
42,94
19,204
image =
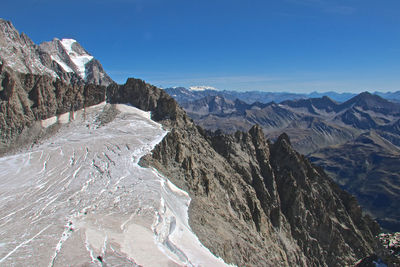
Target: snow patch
x,y
64,118
67,44
132,110
172,230
79,60
61,63
48,122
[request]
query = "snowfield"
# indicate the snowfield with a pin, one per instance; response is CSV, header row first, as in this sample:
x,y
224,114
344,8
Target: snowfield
x,y
80,198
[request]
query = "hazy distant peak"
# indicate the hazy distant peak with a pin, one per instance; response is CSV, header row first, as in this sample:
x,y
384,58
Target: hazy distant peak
x,y
202,88
368,101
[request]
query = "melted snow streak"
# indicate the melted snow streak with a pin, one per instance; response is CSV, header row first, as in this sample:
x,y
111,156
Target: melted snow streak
x,y
81,198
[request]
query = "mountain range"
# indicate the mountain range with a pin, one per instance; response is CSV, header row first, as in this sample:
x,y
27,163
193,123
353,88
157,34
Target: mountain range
x,y
345,138
186,95
79,185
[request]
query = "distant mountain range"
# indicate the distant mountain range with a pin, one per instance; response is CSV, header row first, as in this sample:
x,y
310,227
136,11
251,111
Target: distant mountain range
x,y
183,95
346,138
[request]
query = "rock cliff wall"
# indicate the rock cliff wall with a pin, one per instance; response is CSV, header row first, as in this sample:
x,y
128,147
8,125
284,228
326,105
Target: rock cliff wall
x,y
26,99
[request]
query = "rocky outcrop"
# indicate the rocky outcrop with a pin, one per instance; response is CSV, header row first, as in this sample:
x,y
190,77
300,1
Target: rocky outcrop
x,y
253,203
149,98
28,98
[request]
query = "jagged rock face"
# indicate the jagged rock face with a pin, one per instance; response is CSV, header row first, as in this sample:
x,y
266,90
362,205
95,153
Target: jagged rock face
x,y
27,98
254,203
19,52
65,59
324,220
146,97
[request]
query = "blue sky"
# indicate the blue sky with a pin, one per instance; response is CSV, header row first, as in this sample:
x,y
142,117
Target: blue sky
x,y
280,45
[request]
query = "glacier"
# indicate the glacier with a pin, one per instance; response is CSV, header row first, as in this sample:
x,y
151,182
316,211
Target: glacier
x,y
81,198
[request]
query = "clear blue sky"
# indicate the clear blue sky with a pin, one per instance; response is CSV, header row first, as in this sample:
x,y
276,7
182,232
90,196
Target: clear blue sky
x,y
271,45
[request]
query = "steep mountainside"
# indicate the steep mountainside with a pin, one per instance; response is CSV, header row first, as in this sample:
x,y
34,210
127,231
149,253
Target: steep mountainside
x,y
367,167
370,102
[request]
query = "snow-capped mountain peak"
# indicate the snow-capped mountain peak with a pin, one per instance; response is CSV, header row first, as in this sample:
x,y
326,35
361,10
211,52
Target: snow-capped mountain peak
x,y
69,54
64,59
202,88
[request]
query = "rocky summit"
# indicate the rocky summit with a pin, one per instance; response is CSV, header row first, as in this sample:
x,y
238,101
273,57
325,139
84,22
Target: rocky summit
x,y
252,202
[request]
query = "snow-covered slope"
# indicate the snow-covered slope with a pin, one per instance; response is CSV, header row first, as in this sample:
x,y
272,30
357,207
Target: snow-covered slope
x,y
81,198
